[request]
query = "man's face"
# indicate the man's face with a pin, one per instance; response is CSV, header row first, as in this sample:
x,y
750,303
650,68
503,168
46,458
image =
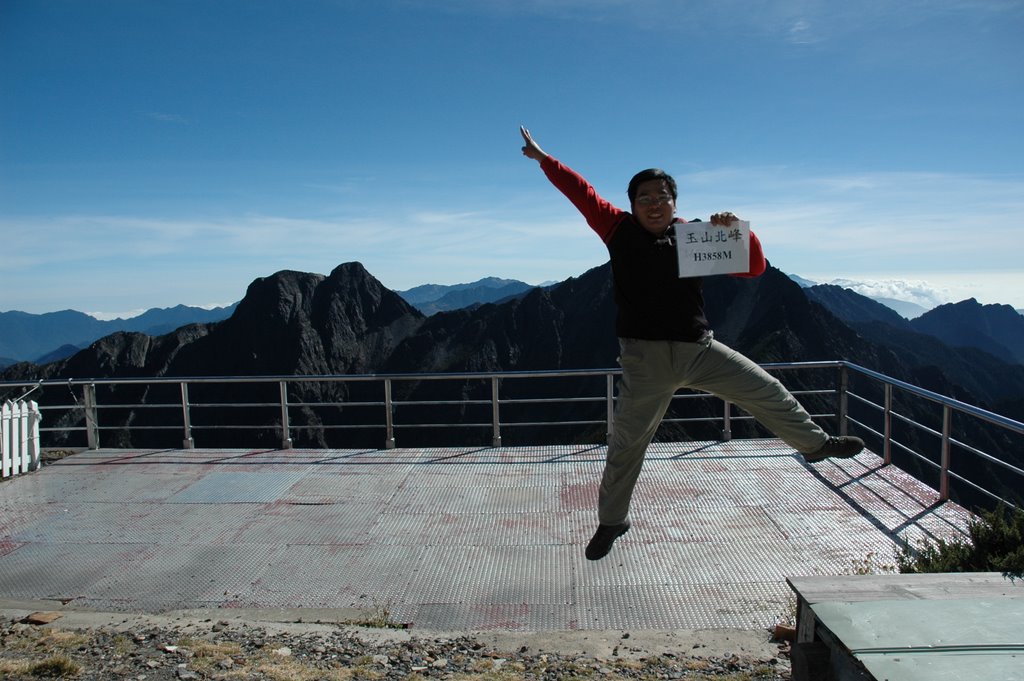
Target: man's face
x,y
654,207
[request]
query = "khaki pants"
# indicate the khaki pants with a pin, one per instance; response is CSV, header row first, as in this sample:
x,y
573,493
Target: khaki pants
x,y
652,371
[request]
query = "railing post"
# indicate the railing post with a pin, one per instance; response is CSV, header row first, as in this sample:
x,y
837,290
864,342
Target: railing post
x,y
389,437
844,380
6,457
19,439
947,419
92,426
495,415
286,437
34,418
727,421
610,405
186,418
887,426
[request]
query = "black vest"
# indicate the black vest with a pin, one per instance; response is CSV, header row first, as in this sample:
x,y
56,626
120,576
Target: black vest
x,y
653,302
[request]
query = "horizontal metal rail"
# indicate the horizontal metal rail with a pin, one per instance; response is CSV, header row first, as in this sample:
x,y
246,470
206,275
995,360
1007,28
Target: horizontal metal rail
x,y
948,406
879,410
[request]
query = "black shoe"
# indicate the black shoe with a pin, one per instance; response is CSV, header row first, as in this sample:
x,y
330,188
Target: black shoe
x,y
603,539
836,448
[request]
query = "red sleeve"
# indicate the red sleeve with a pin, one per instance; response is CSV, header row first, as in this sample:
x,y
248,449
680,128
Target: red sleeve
x,y
757,262
601,215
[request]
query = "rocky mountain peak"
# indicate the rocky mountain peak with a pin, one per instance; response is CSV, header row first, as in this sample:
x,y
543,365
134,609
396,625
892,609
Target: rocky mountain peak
x,y
279,298
997,329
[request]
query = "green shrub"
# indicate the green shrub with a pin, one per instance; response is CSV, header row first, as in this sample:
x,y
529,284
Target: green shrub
x,y
995,543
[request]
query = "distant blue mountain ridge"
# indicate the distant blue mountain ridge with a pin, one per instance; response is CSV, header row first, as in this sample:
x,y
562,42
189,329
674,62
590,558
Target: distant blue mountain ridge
x,y
48,337
433,298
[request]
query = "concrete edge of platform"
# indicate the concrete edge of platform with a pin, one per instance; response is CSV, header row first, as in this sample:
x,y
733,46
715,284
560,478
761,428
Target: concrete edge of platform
x,y
602,644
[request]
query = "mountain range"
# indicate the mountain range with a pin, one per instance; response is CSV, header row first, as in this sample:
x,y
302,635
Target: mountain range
x,y
432,298
44,338
296,323
996,329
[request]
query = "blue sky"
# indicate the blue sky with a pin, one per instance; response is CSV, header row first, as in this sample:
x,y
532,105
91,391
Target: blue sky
x,y
163,152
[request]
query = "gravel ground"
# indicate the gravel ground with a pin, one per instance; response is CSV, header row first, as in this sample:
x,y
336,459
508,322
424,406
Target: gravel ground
x,y
189,648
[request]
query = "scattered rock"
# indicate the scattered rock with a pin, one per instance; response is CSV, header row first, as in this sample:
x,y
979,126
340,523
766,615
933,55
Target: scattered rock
x,y
39,618
784,632
173,654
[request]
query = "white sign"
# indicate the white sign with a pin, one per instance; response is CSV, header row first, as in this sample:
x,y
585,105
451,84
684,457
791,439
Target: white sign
x,y
706,249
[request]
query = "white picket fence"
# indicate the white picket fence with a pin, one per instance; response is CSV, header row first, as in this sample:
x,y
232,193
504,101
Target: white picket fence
x,y
19,437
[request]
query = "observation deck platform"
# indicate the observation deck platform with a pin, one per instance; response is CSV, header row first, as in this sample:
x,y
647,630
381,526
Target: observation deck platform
x,y
457,538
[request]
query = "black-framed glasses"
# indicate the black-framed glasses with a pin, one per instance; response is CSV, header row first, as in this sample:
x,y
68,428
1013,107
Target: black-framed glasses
x,y
653,200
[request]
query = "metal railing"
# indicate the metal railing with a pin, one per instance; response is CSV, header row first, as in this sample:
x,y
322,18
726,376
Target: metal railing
x,y
877,405
1010,431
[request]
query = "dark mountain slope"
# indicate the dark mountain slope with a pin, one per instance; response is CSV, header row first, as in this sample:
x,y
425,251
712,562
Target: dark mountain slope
x,y
771,320
996,329
851,306
295,323
34,337
122,355
555,328
964,373
975,367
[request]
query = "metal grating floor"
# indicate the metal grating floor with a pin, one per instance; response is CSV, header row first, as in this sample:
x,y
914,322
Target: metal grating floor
x,y
456,539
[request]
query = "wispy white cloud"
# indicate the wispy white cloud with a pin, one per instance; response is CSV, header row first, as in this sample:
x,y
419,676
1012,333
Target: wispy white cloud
x,y
920,292
108,316
863,226
929,289
930,237
802,32
885,220
418,247
446,218
862,25
166,117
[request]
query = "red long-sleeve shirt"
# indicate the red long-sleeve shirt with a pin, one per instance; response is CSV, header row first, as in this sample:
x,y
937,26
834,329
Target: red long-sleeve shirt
x,y
654,302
